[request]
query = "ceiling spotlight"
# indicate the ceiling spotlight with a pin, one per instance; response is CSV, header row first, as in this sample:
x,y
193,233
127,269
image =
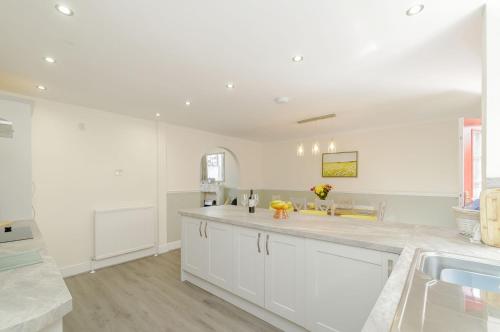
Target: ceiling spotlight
x,y
49,59
230,85
158,115
41,87
65,10
298,58
281,100
188,103
414,10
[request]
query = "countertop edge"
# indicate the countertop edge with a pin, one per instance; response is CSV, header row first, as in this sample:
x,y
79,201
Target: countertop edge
x,y
60,303
302,233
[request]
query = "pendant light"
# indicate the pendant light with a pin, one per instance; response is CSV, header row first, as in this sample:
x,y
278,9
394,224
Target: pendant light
x,y
300,150
332,147
315,148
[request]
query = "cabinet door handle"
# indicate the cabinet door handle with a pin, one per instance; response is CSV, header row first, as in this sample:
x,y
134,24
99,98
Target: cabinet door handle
x,y
199,228
390,266
206,223
267,244
258,243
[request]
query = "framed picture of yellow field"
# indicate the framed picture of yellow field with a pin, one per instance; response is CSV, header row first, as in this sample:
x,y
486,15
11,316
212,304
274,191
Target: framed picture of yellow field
x,y
340,165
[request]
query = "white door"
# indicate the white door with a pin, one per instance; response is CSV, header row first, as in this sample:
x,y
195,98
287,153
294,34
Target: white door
x,y
285,276
220,253
342,285
249,264
194,253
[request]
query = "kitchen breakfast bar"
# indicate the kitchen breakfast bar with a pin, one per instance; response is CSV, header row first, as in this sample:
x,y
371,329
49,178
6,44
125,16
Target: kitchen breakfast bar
x,y
316,273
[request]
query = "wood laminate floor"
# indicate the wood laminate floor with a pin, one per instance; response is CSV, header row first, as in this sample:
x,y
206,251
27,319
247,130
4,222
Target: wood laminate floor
x,y
147,295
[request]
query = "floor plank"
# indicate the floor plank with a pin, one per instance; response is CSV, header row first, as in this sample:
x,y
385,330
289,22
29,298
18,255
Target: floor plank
x,y
147,295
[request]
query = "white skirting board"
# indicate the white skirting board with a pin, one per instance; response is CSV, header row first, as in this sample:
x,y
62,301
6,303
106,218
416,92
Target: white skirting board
x,y
169,246
71,270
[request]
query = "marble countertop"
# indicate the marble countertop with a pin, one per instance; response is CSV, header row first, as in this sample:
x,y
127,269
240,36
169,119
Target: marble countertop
x,y
35,296
402,239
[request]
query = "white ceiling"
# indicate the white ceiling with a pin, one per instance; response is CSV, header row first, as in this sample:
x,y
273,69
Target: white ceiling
x,y
365,60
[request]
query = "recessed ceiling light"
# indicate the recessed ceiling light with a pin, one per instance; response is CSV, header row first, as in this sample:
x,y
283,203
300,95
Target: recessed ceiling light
x,y
65,10
414,10
230,85
49,59
158,115
41,87
298,58
188,103
281,100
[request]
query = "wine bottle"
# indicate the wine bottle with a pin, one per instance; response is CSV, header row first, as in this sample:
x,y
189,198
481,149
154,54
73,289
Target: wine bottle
x,y
251,202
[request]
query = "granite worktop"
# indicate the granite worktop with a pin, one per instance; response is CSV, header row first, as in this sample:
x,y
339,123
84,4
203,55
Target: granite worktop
x,y
35,296
399,238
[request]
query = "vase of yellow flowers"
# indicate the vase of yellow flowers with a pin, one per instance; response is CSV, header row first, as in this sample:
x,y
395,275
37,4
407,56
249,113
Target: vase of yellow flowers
x,y
322,190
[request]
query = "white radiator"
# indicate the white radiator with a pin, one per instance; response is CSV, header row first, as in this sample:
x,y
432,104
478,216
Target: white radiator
x,y
121,231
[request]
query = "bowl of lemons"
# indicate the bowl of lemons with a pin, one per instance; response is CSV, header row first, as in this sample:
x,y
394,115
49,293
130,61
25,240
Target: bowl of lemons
x,y
281,208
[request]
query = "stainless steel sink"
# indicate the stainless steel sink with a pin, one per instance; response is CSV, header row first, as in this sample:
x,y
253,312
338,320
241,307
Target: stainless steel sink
x,y
448,292
460,270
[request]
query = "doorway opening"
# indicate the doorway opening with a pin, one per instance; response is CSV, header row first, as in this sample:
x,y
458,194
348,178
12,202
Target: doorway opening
x,y
219,177
471,162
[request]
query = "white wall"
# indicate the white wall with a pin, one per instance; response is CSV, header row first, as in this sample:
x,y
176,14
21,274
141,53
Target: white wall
x,y
74,165
76,151
186,146
232,170
491,91
421,158
15,161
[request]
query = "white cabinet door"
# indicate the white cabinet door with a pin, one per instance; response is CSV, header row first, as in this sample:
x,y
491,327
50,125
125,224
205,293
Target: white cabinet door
x,y
285,276
342,285
220,253
194,253
249,264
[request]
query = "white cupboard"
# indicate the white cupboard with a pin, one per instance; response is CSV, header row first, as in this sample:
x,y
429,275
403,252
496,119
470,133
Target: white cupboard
x,y
285,276
194,251
317,285
342,285
219,238
249,264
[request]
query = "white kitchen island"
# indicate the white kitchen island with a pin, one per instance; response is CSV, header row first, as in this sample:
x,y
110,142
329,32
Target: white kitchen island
x,y
310,273
305,273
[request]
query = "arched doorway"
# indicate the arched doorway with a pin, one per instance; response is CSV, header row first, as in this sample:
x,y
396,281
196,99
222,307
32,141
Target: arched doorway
x,y
220,176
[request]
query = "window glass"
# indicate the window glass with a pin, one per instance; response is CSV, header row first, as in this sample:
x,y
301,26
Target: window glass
x,y
215,166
